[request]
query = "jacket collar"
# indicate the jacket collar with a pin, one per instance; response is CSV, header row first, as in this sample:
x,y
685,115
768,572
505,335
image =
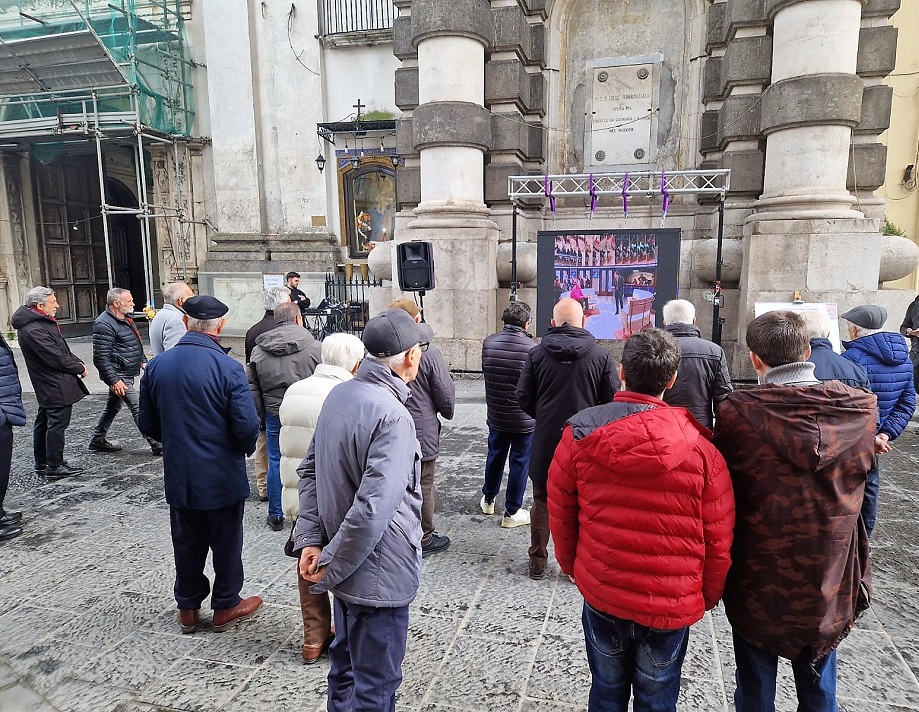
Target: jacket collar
x,y
334,373
197,338
377,374
514,329
173,308
640,398
681,329
792,374
820,343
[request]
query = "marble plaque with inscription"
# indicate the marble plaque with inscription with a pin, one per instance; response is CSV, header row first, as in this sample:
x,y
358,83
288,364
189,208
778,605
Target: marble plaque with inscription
x,y
620,119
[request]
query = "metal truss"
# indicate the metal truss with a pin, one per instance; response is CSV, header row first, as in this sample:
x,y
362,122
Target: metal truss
x,y
715,182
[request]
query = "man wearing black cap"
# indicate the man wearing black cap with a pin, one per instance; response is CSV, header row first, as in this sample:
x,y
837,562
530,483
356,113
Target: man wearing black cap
x,y
195,399
359,526
885,356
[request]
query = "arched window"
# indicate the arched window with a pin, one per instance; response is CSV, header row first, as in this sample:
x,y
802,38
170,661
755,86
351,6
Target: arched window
x,y
369,209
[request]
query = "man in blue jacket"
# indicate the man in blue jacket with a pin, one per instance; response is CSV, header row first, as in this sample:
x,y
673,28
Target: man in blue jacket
x,y
195,399
885,356
359,526
11,413
829,365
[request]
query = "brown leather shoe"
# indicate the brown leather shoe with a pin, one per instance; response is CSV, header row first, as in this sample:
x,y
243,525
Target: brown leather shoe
x,y
312,653
226,618
188,619
538,569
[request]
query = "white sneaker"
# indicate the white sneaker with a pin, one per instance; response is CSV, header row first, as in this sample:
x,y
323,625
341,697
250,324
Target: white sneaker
x,y
520,518
486,506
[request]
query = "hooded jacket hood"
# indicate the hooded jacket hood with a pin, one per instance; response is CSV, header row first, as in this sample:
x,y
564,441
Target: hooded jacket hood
x,y
567,343
26,315
885,346
284,340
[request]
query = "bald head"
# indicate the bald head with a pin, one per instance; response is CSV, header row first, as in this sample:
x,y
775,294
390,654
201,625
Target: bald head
x,y
568,311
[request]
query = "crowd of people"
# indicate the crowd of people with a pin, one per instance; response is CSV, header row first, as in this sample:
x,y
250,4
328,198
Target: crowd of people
x,y
664,490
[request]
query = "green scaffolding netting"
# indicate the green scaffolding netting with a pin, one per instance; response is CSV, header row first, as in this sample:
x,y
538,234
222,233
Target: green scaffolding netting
x,y
145,40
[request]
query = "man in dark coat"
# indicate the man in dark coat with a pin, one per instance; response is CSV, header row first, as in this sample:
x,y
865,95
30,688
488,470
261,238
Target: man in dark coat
x,y
433,394
274,297
118,354
195,399
55,373
829,365
910,329
703,380
510,430
296,296
566,373
799,452
11,413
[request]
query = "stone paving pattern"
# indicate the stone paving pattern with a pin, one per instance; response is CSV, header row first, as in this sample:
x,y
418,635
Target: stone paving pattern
x,y
87,618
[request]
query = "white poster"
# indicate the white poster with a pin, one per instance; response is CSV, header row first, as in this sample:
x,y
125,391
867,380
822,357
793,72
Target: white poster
x,y
802,307
273,280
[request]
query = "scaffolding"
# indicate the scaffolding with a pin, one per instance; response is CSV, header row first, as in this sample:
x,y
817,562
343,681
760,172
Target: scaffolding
x,y
110,72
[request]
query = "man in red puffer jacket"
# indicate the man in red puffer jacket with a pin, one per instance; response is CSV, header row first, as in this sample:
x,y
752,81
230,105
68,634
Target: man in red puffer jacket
x,y
641,510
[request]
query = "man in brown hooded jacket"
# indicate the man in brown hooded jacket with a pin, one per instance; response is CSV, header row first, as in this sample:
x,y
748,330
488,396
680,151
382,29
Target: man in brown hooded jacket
x,y
799,452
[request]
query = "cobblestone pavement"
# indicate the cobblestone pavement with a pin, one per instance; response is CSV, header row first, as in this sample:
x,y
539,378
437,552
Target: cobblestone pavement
x,y
87,618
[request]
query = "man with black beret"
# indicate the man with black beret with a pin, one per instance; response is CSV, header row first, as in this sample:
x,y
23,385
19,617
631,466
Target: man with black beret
x,y
359,525
195,399
885,356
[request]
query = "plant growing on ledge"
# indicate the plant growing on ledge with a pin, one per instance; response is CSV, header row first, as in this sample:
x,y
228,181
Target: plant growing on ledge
x,y
891,229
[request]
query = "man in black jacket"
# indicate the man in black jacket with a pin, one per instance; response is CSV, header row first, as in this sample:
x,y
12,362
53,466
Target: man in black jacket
x,y
509,428
829,365
118,354
563,375
910,329
702,380
55,373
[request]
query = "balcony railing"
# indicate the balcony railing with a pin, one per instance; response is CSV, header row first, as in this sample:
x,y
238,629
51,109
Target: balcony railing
x,y
338,17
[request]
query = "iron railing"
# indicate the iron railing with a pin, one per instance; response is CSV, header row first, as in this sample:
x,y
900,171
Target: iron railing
x,y
337,17
345,308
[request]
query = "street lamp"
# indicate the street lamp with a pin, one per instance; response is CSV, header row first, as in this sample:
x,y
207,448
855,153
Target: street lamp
x,y
320,162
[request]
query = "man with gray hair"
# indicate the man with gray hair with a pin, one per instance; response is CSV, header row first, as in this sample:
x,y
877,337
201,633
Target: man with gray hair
x,y
167,327
341,356
885,357
118,354
359,529
702,380
55,374
829,365
273,298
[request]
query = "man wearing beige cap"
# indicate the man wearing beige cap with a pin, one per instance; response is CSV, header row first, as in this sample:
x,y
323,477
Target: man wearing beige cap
x,y
885,356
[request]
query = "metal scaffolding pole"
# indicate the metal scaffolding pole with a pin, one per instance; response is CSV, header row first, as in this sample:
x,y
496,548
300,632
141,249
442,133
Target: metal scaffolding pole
x,y
104,206
180,231
144,217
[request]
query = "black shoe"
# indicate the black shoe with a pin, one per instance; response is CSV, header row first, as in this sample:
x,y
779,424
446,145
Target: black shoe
x,y
59,473
10,518
8,532
156,448
437,544
40,469
103,444
276,523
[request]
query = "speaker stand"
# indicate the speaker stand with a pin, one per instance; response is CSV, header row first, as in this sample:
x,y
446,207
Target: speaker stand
x,y
421,304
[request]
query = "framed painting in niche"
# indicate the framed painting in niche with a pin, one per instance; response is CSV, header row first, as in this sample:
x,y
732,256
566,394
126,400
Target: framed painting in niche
x,y
367,203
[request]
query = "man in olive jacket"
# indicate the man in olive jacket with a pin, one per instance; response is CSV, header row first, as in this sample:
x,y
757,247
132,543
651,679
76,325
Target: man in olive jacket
x,y
118,354
55,374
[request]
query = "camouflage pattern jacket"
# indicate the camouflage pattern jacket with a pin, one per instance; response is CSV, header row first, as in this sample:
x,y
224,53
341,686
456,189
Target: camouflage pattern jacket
x,y
798,457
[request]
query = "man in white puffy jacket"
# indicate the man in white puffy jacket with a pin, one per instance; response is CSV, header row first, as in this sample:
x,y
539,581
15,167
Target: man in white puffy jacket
x,y
341,355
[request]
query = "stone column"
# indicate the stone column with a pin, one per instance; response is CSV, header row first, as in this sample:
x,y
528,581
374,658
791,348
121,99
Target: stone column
x,y
451,131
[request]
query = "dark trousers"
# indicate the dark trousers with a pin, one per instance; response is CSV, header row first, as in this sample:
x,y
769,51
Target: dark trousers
x,y
194,531
48,435
500,444
872,491
427,501
366,657
113,405
539,525
6,459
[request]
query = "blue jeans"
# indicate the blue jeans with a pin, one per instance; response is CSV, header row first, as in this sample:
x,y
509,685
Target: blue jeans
x,y
499,443
366,657
627,658
756,673
272,440
872,490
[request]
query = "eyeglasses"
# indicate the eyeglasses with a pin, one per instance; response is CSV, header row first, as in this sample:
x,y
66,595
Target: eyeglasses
x,y
424,346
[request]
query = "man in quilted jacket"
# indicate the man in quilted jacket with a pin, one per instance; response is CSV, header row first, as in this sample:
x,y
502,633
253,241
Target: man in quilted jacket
x,y
885,356
799,452
642,514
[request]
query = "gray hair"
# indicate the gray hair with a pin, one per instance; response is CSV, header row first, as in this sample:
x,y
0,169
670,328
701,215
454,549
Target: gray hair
x,y
38,295
342,350
391,362
817,324
206,326
114,295
275,297
679,311
861,331
286,313
173,292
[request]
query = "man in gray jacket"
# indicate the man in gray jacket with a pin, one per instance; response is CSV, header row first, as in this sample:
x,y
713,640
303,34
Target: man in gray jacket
x,y
168,326
359,529
281,357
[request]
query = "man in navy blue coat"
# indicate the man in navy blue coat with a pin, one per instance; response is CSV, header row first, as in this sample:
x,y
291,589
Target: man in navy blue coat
x,y
195,399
